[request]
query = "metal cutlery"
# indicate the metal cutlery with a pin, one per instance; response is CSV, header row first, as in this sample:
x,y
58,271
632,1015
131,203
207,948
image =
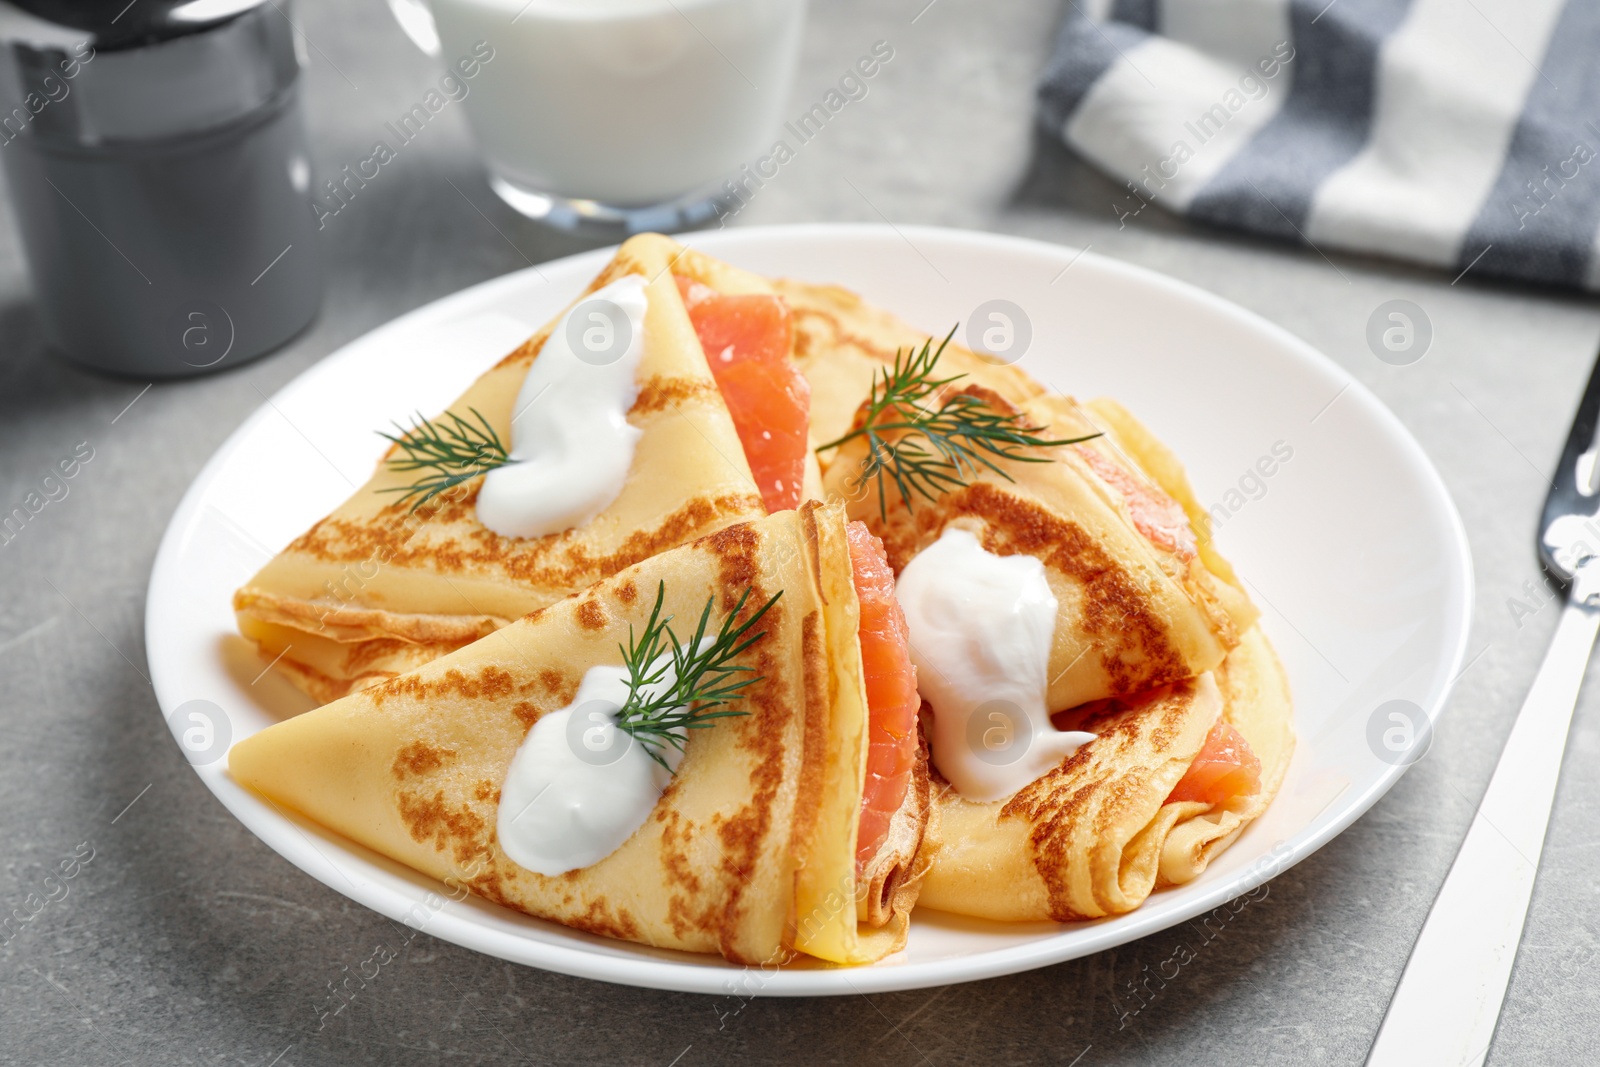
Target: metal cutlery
x,y
1449,998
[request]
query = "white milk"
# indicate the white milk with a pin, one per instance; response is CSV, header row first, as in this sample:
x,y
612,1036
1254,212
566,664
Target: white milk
x,y
627,102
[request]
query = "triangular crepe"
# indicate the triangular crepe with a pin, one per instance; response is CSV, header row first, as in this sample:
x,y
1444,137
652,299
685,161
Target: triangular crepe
x,y
374,589
1135,612
1096,835
749,852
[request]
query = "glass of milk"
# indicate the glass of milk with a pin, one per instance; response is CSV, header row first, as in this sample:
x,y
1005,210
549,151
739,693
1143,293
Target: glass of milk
x,y
619,115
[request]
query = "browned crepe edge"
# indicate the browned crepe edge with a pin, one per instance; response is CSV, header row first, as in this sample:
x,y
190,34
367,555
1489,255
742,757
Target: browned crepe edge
x,y
1204,833
890,883
1162,466
1095,837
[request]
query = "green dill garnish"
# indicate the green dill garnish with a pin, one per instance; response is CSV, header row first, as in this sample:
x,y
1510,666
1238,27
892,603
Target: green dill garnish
x,y
704,678
454,449
936,449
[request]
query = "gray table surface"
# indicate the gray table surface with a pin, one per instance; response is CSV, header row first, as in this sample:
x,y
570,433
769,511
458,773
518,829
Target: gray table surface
x,y
187,941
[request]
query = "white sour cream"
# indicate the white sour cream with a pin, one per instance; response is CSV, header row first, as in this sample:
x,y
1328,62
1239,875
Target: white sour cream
x,y
981,629
578,787
570,434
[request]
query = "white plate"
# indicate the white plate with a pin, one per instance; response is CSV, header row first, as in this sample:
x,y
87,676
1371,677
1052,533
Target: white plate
x,y
1354,552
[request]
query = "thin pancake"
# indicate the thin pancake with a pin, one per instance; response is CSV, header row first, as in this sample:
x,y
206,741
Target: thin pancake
x,y
1256,702
742,854
1152,617
1133,614
374,589
1095,836
1161,465
1136,611
841,341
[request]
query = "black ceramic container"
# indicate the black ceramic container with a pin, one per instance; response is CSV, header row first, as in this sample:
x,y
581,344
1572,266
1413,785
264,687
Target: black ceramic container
x,y
158,174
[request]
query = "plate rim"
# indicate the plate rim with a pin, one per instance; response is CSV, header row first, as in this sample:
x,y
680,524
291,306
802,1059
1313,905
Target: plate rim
x,y
715,976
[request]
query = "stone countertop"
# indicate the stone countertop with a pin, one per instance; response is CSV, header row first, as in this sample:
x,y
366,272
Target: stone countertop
x,y
187,941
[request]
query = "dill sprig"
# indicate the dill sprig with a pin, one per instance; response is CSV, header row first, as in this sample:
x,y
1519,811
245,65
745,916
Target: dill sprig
x,y
454,449
936,449
704,677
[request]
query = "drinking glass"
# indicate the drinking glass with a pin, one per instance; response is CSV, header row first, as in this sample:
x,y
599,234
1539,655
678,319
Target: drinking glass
x,y
620,115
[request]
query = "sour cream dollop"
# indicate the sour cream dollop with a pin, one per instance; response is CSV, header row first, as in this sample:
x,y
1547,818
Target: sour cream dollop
x,y
578,787
981,628
570,434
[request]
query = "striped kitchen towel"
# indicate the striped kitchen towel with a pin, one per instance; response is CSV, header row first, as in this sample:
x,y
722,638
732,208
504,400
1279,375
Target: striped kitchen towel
x,y
1458,133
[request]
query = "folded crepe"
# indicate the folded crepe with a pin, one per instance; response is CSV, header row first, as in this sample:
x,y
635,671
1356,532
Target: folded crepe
x,y
749,850
1097,834
841,341
1155,640
1144,600
375,588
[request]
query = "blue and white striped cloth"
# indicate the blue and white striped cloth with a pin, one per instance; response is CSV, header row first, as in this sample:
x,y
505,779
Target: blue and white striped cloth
x,y
1457,133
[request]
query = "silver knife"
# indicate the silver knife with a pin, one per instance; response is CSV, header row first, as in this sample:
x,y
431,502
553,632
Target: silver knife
x,y
1448,1002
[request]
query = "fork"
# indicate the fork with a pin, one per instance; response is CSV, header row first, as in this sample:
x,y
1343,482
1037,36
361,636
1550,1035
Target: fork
x,y
1449,998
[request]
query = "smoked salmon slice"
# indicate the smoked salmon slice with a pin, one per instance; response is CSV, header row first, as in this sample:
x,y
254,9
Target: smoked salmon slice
x,y
1155,514
748,339
1224,769
892,700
